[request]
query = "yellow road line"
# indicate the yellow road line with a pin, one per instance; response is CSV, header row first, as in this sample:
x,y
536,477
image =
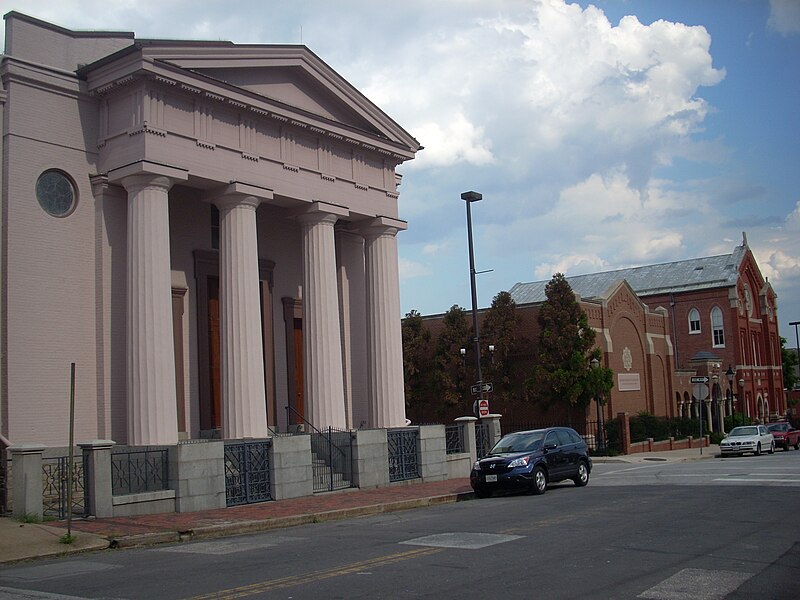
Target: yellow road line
x,y
283,582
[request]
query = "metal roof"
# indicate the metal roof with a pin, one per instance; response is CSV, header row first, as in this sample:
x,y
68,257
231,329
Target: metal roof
x,y
675,277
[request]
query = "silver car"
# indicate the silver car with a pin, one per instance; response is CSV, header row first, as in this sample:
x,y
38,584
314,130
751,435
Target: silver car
x,y
748,438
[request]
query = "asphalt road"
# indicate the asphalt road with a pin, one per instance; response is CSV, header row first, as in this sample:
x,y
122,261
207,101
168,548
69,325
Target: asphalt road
x,y
717,528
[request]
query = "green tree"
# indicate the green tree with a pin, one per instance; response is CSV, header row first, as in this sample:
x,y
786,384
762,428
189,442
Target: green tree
x,y
449,370
562,374
417,359
499,329
789,361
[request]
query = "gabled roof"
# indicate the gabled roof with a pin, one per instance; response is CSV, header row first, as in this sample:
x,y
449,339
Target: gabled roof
x,y
286,80
674,277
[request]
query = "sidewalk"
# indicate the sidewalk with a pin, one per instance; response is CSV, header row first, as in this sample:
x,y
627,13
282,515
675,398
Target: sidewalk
x,y
20,541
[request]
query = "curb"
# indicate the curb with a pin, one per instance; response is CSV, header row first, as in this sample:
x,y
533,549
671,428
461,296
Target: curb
x,y
244,527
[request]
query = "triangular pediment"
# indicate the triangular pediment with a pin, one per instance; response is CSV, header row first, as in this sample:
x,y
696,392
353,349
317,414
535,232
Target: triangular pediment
x,y
294,87
288,81
290,75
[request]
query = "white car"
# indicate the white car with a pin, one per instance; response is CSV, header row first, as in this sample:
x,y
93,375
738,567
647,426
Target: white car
x,y
748,438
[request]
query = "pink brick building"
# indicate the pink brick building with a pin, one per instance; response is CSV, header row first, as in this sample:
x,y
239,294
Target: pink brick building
x,y
207,230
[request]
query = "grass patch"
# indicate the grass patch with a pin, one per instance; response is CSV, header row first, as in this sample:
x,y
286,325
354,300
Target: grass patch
x,y
30,518
67,538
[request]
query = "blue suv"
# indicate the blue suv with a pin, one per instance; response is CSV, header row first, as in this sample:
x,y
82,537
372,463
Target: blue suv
x,y
529,460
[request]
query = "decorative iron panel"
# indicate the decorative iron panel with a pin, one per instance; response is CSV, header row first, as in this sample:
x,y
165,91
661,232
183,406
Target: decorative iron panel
x,y
403,454
482,439
332,455
55,485
247,468
454,438
137,471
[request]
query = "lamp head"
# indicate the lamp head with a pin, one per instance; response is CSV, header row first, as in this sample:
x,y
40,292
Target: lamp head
x,y
471,196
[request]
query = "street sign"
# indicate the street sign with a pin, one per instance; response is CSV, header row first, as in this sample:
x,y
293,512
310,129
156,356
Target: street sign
x,y
700,390
483,408
699,379
482,387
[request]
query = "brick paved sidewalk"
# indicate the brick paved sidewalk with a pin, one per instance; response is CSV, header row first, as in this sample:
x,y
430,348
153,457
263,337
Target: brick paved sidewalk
x,y
165,527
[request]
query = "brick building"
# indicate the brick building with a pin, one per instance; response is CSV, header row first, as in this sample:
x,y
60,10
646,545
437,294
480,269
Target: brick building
x,y
720,311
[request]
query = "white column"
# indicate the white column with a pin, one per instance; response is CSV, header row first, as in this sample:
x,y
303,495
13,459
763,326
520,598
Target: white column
x,y
152,410
322,346
244,410
384,337
352,301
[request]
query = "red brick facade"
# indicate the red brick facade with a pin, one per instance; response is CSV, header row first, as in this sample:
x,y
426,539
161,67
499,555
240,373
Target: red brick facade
x,y
750,342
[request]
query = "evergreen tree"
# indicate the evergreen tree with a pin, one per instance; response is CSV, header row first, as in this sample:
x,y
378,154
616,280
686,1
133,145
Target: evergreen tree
x,y
417,360
449,372
562,374
788,360
499,328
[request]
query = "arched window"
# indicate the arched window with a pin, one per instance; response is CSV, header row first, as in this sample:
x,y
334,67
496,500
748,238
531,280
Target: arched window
x,y
694,321
717,330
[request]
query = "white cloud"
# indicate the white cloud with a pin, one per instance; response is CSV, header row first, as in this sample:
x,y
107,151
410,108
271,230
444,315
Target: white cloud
x,y
448,143
779,253
410,269
784,16
438,248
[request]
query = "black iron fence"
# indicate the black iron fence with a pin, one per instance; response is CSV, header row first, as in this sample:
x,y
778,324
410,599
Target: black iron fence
x,y
454,439
403,454
138,471
247,467
332,459
482,439
55,487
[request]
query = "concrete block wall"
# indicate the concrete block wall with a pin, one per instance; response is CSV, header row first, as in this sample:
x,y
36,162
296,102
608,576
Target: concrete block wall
x,y
432,452
291,474
371,458
197,474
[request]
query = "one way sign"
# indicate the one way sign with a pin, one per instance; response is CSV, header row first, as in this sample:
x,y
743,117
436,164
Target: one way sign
x,y
482,387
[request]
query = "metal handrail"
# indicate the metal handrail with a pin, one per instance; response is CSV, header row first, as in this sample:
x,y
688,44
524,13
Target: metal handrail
x,y
291,409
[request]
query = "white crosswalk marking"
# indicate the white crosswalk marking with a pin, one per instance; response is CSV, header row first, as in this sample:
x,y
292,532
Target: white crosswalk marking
x,y
696,584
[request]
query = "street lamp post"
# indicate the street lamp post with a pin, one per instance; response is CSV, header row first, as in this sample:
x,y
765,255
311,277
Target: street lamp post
x,y
601,444
796,344
730,374
469,198
741,397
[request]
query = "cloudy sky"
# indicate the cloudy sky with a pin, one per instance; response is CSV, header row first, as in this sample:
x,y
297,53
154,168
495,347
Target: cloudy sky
x,y
602,135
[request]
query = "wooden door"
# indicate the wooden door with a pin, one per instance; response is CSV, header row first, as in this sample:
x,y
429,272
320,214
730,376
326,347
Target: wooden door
x,y
299,400
214,355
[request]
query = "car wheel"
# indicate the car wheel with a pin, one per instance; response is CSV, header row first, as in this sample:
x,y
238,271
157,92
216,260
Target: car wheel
x,y
771,448
482,493
539,481
758,449
797,444
582,478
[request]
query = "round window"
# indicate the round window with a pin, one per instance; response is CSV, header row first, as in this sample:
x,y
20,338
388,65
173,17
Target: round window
x,y
55,193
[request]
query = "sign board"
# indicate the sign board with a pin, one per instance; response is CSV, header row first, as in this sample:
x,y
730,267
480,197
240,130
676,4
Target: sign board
x,y
483,408
699,379
700,390
482,387
629,382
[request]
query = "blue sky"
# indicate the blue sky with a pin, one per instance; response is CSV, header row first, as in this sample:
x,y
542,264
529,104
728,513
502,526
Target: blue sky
x,y
602,135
